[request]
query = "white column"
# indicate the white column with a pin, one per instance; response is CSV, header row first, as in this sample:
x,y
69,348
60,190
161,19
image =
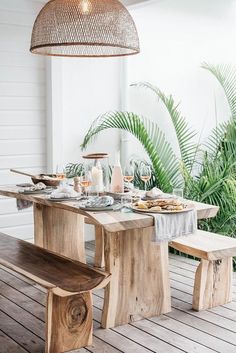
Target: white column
x,y
54,113
124,136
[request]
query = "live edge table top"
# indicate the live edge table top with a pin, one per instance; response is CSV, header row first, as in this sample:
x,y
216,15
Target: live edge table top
x,y
112,221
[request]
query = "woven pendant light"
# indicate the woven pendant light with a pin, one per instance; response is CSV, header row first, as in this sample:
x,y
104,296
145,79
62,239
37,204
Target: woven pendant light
x,y
84,28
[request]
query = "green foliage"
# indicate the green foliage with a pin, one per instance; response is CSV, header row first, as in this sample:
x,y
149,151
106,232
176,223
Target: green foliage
x,y
216,181
74,169
184,135
164,161
209,176
226,76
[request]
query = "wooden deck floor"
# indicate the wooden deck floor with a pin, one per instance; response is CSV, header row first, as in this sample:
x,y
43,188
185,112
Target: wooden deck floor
x,y
182,330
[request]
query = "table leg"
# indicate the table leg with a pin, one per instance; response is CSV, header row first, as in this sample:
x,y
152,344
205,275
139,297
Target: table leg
x,y
99,247
139,286
59,231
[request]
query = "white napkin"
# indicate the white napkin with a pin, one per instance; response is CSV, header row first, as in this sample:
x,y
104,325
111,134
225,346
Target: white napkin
x,y
174,225
154,192
23,204
64,192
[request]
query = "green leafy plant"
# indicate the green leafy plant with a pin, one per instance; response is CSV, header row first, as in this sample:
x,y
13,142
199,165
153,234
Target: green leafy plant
x,y
184,135
74,169
163,159
208,172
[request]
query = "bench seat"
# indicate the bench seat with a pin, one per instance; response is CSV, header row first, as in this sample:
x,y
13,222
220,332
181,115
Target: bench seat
x,y
213,278
68,283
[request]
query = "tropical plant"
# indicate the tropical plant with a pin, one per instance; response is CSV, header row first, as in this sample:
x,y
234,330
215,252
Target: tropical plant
x,y
215,179
216,182
73,170
184,135
164,160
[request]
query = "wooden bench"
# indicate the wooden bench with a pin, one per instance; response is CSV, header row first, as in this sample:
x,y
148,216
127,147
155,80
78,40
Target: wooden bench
x,y
68,284
213,278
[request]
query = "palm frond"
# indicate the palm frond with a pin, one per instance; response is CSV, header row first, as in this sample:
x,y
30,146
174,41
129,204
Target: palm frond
x,y
223,137
185,136
73,170
216,137
226,76
162,157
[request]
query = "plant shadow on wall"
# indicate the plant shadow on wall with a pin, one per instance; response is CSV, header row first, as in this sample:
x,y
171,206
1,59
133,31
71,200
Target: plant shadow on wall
x,y
207,172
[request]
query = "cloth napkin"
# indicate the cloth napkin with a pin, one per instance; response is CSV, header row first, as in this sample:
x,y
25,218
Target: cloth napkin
x,y
23,204
174,225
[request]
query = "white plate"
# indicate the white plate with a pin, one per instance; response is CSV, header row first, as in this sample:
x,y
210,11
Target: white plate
x,y
118,195
62,199
107,208
28,192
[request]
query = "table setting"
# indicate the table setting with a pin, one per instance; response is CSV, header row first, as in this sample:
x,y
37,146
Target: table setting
x,y
101,188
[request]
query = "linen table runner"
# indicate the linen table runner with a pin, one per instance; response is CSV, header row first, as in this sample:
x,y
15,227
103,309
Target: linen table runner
x,y
174,225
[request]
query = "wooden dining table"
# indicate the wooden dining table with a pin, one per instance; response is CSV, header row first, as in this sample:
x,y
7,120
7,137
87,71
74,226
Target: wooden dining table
x,y
140,285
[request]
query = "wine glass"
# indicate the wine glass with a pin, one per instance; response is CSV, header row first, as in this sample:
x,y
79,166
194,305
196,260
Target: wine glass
x,y
145,174
85,180
61,173
129,174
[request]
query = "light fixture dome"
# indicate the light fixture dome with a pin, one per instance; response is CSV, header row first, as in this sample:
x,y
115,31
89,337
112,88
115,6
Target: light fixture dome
x,y
84,28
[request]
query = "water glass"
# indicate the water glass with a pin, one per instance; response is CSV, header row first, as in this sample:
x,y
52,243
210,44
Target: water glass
x,y
126,202
179,192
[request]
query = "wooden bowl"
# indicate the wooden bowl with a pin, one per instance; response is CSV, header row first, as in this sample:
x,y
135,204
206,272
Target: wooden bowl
x,y
48,182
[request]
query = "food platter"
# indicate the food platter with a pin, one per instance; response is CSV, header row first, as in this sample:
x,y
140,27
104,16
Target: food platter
x,y
186,208
162,205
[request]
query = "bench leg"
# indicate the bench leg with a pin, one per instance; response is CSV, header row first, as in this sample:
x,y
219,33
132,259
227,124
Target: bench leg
x,y
99,247
213,284
69,322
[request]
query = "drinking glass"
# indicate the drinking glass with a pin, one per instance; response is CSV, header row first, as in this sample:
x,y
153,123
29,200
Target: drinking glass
x,y
61,173
129,174
179,192
145,174
85,180
126,201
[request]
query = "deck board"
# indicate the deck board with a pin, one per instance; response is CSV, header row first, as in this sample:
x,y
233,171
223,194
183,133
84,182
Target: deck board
x,y
183,330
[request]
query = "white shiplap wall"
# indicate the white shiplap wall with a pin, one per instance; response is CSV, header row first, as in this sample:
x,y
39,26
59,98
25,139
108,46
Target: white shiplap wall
x,y
22,108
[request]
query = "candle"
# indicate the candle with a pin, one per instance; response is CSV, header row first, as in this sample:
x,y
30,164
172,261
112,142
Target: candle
x,y
97,179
